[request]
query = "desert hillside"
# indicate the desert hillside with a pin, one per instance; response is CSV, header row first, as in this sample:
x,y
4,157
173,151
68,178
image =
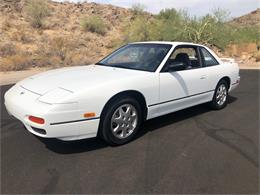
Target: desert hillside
x,y
61,38
251,19
76,34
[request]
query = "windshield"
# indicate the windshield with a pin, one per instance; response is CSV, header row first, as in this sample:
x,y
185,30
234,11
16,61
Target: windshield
x,y
146,57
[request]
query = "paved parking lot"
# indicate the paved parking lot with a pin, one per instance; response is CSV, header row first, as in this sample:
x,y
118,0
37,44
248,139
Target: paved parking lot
x,y
191,151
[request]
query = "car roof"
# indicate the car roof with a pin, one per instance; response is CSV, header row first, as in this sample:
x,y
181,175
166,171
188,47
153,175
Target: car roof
x,y
167,43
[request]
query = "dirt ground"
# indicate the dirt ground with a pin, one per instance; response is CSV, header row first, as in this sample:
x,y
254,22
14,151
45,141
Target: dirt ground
x,y
15,76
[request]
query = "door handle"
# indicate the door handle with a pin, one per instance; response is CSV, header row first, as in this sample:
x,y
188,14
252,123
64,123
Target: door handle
x,y
203,77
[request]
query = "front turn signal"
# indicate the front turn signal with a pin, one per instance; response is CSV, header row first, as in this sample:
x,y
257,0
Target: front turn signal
x,y
36,120
89,114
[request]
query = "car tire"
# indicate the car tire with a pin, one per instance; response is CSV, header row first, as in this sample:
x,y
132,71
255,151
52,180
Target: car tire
x,y
220,97
120,121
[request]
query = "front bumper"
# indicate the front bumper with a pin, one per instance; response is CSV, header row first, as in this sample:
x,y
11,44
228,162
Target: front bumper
x,y
21,104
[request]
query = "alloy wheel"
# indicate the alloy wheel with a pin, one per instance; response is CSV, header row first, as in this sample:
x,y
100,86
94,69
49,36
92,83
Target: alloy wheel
x,y
124,121
221,95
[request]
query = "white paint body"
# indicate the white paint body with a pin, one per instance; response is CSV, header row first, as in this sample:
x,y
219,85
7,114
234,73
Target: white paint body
x,y
62,96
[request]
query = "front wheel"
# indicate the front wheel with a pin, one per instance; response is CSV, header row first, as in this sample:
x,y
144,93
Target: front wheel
x,y
120,121
219,100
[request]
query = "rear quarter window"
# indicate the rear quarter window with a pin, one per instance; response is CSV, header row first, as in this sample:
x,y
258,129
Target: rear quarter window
x,y
207,58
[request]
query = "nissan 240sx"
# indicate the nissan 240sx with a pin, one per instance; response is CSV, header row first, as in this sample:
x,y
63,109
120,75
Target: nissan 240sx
x,y
111,98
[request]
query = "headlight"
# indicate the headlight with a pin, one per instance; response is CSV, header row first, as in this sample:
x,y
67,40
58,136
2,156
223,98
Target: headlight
x,y
57,96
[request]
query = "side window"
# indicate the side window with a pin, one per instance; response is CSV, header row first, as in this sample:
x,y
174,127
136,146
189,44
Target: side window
x,y
188,56
191,52
208,59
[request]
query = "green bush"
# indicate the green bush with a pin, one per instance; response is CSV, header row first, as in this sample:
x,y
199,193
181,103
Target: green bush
x,y
138,9
170,14
173,25
94,24
138,30
37,10
246,35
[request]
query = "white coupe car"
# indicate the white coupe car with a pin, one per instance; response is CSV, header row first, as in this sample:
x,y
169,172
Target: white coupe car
x,y
111,98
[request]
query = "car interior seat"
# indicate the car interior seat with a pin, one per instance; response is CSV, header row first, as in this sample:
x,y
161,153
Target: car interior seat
x,y
184,58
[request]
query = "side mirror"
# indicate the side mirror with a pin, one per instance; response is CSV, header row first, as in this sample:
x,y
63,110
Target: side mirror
x,y
175,66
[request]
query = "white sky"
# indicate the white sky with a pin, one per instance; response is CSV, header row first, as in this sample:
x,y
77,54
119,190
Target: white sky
x,y
194,7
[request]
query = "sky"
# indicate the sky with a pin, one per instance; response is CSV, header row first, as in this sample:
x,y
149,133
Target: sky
x,y
194,7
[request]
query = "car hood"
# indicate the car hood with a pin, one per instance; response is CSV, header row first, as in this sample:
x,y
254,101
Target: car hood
x,y
73,79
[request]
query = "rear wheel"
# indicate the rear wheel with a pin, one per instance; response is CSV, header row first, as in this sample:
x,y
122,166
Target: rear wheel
x,y
121,121
220,96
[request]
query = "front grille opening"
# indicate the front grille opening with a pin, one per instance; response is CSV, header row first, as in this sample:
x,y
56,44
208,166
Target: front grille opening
x,y
41,131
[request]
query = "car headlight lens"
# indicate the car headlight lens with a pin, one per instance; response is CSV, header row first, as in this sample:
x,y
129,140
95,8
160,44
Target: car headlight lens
x,y
57,96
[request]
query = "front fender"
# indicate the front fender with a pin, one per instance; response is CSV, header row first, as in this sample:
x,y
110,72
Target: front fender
x,y
95,99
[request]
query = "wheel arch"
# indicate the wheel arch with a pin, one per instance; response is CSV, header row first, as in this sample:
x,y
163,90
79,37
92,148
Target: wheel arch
x,y
128,93
227,79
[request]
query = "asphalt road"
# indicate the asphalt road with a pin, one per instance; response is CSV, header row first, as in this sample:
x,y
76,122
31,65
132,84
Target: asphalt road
x,y
192,151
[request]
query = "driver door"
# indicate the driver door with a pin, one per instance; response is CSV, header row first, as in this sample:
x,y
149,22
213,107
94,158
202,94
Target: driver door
x,y
182,88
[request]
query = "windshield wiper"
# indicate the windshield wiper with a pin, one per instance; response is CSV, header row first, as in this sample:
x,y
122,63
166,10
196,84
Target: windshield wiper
x,y
116,66
102,64
119,66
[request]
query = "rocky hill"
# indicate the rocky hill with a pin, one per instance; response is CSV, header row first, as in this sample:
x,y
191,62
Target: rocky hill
x,y
251,19
61,40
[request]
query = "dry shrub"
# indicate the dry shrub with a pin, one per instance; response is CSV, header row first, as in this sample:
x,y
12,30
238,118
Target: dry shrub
x,y
76,59
59,47
6,25
114,43
53,52
15,36
257,56
94,24
21,36
37,10
25,36
15,63
46,61
7,49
